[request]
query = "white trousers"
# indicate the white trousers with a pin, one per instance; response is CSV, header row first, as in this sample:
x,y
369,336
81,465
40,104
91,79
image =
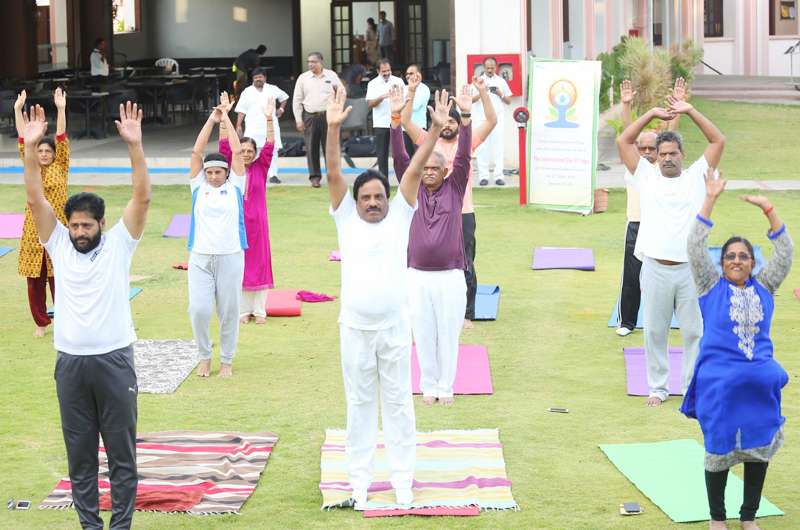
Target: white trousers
x,y
215,276
667,289
437,301
254,303
371,359
260,141
490,152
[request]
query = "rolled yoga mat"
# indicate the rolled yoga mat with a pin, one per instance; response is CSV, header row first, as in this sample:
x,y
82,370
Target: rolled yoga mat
x,y
545,258
636,369
179,226
473,375
283,303
487,300
672,476
11,225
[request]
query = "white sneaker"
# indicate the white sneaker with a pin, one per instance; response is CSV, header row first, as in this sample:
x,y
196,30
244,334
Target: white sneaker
x,y
404,496
624,331
359,496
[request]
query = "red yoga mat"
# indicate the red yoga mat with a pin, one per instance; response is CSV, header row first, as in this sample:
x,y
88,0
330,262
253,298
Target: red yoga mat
x,y
283,303
473,375
464,510
182,266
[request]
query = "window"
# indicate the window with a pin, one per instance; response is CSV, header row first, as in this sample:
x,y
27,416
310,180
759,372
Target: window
x,y
712,19
127,18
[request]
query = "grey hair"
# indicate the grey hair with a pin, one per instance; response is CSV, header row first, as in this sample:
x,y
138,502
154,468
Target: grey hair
x,y
442,159
669,136
641,135
317,55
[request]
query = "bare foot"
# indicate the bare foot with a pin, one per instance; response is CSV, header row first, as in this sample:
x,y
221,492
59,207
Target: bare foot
x,y
446,401
224,370
718,525
653,401
205,368
261,320
748,525
468,324
39,333
244,320
430,400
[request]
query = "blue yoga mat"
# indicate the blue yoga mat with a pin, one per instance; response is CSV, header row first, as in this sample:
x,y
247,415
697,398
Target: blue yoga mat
x,y
131,294
716,254
5,250
487,298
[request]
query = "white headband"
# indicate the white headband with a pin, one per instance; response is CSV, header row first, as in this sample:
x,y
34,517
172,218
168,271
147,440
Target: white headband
x,y
215,163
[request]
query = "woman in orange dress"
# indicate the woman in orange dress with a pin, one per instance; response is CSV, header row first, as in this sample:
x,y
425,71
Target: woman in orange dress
x,y
34,263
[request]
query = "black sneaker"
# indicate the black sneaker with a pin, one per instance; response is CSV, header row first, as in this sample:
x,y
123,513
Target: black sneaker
x,y
274,180
484,182
500,182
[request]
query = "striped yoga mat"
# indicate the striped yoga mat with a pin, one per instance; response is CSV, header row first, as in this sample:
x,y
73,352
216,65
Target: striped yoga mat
x,y
454,468
225,466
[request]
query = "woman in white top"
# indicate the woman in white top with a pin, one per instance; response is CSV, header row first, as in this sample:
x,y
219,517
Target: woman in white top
x,y
217,241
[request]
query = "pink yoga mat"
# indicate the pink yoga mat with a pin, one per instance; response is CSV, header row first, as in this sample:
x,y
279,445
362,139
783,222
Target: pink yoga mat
x,y
11,225
335,256
563,258
797,292
465,510
283,303
636,367
179,226
473,375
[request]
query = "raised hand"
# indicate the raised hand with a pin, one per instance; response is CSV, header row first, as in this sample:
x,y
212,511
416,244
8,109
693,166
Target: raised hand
x,y
35,126
442,112
759,200
20,102
60,99
626,92
269,108
414,80
129,123
678,106
397,99
479,83
225,103
334,107
663,114
464,99
714,185
679,91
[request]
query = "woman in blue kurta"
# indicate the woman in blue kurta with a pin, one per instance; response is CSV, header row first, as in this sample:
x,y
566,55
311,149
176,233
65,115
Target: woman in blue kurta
x,y
735,393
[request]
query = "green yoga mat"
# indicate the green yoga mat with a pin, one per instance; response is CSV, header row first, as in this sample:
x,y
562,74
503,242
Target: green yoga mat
x,y
671,475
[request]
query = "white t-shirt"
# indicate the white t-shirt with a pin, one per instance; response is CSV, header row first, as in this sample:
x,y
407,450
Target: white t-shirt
x,y
478,114
250,104
99,66
374,264
217,216
94,313
669,207
382,113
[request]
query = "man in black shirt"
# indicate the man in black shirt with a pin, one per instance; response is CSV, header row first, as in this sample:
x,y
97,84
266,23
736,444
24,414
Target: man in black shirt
x,y
245,64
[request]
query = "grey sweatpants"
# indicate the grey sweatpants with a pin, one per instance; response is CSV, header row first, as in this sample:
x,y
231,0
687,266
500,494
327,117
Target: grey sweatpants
x,y
668,288
97,394
216,276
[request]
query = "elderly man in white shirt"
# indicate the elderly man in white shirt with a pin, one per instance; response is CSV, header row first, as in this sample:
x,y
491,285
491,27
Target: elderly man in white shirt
x,y
670,199
492,149
378,100
253,99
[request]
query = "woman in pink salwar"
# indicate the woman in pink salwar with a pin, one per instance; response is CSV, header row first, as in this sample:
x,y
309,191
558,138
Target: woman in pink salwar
x,y
257,257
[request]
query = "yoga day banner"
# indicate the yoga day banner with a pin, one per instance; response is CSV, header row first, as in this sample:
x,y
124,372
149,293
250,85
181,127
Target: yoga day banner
x,y
562,134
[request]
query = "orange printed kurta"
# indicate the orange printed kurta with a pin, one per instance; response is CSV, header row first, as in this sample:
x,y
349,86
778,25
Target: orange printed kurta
x,y
54,177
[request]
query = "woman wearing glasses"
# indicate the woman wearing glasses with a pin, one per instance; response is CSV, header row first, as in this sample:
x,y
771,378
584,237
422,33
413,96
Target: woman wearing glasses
x,y
736,390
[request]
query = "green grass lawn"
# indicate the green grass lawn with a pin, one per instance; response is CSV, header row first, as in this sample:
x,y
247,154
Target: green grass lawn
x,y
550,347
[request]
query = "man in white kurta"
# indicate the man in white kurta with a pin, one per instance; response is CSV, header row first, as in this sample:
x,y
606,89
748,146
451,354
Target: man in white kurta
x,y
490,152
253,99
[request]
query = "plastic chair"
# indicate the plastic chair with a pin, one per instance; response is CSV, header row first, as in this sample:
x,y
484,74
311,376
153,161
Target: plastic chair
x,y
183,95
113,101
172,64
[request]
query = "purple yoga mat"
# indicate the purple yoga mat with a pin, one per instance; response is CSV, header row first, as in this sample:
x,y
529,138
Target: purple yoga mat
x,y
636,367
11,225
179,226
473,375
581,259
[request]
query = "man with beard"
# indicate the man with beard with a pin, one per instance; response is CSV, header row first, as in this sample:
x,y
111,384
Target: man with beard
x,y
94,373
670,199
250,105
447,145
373,323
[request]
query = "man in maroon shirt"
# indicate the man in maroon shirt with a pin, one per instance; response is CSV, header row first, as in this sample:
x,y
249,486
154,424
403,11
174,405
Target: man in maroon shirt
x,y
437,290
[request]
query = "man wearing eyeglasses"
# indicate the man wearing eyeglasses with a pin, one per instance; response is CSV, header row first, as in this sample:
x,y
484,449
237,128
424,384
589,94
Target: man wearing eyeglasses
x,y
670,199
419,96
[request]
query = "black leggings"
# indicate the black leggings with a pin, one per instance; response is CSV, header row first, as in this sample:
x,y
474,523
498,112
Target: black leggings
x,y
754,474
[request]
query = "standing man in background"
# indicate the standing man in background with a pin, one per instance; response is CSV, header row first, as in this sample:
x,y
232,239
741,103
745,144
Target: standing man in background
x,y
386,37
243,65
419,104
378,100
99,63
492,149
310,92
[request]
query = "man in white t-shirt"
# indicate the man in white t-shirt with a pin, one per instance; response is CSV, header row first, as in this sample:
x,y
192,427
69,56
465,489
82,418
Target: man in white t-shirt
x,y
94,373
99,63
253,99
491,150
373,323
378,101
670,199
